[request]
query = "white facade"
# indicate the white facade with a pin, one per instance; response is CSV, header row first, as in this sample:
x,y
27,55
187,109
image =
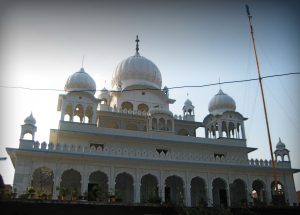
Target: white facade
x,y
128,141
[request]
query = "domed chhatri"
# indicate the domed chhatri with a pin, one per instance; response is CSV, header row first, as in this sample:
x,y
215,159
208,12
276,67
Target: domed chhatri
x,y
188,103
221,103
136,71
30,120
280,145
80,81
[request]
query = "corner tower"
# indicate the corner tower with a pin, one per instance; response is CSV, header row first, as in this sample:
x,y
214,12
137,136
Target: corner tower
x,y
79,104
223,120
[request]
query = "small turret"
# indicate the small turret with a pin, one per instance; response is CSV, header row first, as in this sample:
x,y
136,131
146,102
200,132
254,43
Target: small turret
x,y
281,151
28,127
188,111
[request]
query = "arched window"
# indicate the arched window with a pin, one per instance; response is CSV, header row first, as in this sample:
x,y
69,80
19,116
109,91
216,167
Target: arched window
x,y
174,191
69,112
198,192
124,187
28,136
71,182
42,181
79,113
278,197
258,193
219,192
169,125
127,106
154,124
231,129
88,114
67,118
238,193
143,108
98,186
149,188
161,124
103,101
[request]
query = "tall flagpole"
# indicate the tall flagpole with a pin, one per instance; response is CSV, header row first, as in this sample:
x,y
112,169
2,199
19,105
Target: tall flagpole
x,y
263,99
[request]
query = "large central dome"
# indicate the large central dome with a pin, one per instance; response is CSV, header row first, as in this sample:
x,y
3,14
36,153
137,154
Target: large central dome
x,y
136,71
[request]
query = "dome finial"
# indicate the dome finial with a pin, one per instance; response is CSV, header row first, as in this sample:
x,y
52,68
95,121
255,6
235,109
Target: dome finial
x,y
82,61
220,88
137,43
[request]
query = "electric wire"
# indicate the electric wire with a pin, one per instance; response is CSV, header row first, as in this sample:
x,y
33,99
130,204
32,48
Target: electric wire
x,y
151,89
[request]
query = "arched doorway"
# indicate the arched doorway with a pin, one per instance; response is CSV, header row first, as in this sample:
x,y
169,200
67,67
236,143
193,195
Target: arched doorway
x,y
198,192
149,188
71,182
219,192
42,181
124,187
238,193
98,186
174,191
278,197
258,193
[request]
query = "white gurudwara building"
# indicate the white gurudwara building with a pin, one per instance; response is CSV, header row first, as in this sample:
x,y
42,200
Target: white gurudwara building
x,y
127,141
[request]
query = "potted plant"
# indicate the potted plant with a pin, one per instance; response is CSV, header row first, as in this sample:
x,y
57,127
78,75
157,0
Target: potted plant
x,y
154,198
111,195
118,195
44,196
74,193
30,191
62,192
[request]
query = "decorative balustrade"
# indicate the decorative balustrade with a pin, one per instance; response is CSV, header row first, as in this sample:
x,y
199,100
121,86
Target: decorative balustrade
x,y
140,153
134,112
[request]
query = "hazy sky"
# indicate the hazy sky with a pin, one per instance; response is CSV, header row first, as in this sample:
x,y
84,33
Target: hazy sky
x,y
191,42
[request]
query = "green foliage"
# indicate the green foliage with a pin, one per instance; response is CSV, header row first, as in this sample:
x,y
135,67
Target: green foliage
x,y
154,198
98,193
62,191
30,190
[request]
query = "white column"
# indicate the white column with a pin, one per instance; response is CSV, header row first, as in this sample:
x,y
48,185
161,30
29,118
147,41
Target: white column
x,y
206,133
243,131
62,114
173,126
227,128
220,129
188,195
56,184
111,180
94,117
84,183
210,194
137,191
162,191
228,195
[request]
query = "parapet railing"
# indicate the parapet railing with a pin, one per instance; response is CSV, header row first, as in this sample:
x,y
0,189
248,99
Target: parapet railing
x,y
140,153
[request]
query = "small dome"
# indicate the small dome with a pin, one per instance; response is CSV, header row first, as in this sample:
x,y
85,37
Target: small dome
x,y
30,120
136,71
221,103
104,94
280,145
188,106
80,81
188,103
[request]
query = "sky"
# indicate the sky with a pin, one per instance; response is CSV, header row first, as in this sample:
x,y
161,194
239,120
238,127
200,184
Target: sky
x,y
192,43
